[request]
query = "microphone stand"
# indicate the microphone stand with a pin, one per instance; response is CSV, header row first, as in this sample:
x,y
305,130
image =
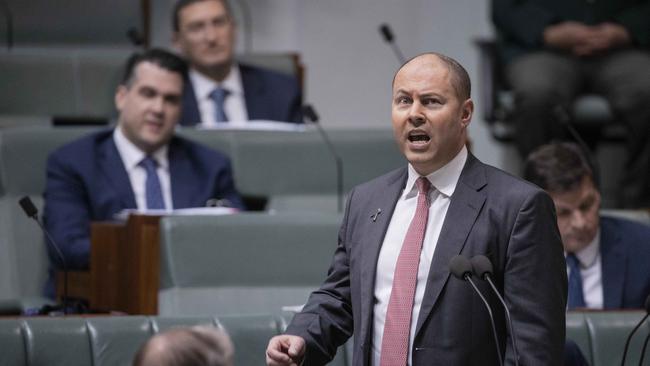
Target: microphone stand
x,y
32,213
310,113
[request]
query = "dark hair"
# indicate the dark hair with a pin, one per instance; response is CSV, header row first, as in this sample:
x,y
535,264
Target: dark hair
x,y
199,345
460,78
157,56
558,167
181,4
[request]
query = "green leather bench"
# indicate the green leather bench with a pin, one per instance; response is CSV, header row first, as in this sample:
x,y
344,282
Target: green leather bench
x,y
601,336
294,169
111,341
114,340
243,263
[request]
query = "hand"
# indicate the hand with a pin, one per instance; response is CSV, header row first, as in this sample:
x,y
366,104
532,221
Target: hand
x,y
568,35
605,36
285,350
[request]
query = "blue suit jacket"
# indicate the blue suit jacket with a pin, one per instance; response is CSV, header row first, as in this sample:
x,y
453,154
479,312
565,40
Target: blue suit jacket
x,y
269,96
625,259
87,181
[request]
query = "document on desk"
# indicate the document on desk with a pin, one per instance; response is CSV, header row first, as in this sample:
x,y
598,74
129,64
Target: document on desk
x,y
192,211
256,125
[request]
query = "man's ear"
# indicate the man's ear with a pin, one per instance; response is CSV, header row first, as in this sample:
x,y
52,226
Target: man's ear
x,y
467,110
120,97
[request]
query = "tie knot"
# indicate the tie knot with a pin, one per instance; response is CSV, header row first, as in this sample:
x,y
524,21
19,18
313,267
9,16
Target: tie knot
x,y
572,261
149,163
219,94
423,185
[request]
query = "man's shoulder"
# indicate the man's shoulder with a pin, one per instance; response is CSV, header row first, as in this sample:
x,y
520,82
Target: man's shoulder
x,y
624,225
84,146
266,75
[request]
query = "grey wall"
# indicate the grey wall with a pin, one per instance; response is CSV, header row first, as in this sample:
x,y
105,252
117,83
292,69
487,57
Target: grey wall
x,y
348,66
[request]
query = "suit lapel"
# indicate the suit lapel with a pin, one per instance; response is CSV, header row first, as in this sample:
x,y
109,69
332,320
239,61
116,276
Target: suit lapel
x,y
612,259
112,168
181,175
253,90
373,239
190,114
466,203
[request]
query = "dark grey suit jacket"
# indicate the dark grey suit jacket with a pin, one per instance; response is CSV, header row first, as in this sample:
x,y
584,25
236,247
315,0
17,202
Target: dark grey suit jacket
x,y
491,213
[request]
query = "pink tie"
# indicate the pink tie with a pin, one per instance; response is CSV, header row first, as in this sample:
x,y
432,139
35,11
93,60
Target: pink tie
x,y
394,345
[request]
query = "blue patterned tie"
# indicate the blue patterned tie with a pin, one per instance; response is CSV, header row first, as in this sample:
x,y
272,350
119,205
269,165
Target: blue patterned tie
x,y
153,192
576,297
218,95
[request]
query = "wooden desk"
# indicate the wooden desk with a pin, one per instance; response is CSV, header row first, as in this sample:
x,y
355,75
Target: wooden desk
x,y
124,267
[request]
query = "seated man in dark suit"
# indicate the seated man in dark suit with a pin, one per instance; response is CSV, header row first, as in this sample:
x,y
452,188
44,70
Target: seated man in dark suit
x,y
607,258
139,164
221,90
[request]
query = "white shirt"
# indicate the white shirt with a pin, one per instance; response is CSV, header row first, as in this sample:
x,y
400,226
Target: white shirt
x,y
234,104
132,156
591,271
443,183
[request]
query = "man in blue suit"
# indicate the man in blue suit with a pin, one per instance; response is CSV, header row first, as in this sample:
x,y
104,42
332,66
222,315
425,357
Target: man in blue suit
x,y
139,164
607,257
221,90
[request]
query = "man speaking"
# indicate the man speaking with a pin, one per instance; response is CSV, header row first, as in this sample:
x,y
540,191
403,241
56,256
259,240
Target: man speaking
x,y
389,284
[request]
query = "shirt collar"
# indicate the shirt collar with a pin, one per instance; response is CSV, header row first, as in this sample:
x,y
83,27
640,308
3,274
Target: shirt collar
x,y
132,155
203,85
588,255
444,179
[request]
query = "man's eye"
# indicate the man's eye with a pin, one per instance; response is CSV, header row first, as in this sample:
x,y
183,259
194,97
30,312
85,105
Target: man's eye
x,y
431,101
147,92
403,100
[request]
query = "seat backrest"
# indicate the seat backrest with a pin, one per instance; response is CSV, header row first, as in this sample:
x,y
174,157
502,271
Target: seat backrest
x,y
243,263
601,335
114,340
60,82
23,156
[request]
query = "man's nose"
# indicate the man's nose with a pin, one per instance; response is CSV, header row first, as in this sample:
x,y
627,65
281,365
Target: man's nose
x,y
416,114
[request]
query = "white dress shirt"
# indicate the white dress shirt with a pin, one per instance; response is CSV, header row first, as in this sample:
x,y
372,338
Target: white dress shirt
x,y
443,183
132,156
234,104
591,271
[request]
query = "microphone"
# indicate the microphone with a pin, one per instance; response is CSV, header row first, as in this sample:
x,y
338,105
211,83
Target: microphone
x,y
562,115
387,34
483,269
32,212
461,268
10,24
309,112
629,337
645,345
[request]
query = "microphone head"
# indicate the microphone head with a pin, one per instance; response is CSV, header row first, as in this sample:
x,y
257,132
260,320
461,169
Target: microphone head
x,y
28,207
460,267
482,266
310,113
386,32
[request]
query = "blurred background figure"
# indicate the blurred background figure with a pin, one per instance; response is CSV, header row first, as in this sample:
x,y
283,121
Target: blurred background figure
x,y
607,258
220,89
195,346
555,49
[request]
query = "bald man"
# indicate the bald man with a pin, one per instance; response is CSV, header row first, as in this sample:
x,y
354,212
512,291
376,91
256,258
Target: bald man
x,y
389,284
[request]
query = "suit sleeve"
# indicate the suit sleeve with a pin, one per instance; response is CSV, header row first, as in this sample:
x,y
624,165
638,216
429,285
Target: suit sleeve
x,y
326,321
226,186
67,214
635,20
535,284
295,104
